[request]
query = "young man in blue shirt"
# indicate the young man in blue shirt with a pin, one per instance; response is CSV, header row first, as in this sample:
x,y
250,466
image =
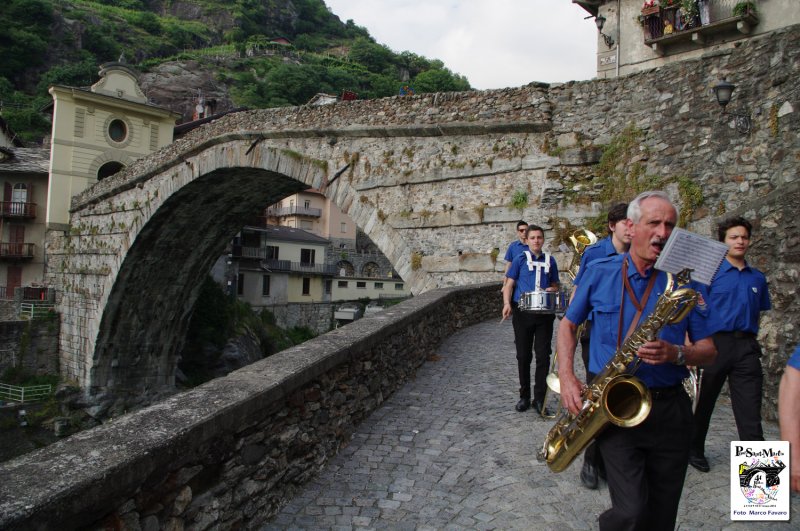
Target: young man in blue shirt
x,y
617,242
738,295
645,464
534,270
517,247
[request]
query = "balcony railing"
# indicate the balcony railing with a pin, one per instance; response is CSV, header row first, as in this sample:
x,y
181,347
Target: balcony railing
x,y
668,24
16,250
281,266
13,209
294,211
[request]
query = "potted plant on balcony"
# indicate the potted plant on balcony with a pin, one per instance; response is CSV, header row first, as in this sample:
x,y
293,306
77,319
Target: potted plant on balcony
x,y
690,15
650,7
744,8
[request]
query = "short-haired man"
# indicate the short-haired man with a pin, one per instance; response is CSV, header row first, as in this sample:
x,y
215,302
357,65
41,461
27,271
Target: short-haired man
x,y
617,242
517,247
738,295
645,464
534,270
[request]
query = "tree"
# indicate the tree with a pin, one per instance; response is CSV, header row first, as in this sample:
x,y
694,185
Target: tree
x,y
440,81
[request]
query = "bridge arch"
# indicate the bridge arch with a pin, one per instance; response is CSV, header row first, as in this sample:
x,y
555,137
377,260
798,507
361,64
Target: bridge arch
x,y
140,243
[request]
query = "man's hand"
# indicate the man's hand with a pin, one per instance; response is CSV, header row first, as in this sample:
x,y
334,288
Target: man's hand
x,y
570,391
506,311
658,352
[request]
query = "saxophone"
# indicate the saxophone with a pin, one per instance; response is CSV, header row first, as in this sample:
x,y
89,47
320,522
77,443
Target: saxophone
x,y
615,395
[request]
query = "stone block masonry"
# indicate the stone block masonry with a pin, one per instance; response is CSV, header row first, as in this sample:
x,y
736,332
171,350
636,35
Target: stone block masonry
x,y
229,453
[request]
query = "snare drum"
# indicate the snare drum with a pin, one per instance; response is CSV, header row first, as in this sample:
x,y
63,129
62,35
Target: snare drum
x,y
538,301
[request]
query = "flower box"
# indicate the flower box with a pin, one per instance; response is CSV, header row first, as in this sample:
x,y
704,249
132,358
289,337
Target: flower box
x,y
652,10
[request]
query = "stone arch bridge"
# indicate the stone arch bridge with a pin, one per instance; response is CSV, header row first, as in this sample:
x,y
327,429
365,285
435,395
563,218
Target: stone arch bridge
x,y
430,179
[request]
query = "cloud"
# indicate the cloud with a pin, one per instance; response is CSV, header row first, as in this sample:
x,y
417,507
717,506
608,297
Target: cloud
x,y
495,44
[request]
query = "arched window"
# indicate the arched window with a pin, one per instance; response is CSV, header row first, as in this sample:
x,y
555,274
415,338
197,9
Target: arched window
x,y
371,270
345,269
108,169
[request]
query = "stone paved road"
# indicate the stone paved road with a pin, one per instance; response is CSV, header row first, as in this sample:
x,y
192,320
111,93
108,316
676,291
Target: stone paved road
x,y
448,451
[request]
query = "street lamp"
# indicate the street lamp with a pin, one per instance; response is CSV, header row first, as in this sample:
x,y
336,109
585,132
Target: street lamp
x,y
600,21
723,91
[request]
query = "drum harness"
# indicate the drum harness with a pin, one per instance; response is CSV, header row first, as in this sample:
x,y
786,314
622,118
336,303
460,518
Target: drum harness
x,y
539,266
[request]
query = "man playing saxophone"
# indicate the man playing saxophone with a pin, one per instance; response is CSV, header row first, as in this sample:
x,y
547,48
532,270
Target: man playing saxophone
x,y
617,242
645,464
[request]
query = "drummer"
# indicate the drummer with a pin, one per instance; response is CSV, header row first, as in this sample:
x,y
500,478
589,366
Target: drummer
x,y
532,271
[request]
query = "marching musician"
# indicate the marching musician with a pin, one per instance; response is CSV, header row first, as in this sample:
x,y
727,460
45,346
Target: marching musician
x,y
646,464
533,270
738,294
517,247
617,242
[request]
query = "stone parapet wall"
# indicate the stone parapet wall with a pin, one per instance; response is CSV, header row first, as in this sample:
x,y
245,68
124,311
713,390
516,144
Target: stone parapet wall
x,y
229,453
29,345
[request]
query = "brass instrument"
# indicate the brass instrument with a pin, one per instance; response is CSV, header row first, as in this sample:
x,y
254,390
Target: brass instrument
x,y
615,395
692,384
580,239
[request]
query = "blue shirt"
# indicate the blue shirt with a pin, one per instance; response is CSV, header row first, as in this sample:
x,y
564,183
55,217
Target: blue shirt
x,y
794,360
599,295
602,249
525,280
515,249
738,297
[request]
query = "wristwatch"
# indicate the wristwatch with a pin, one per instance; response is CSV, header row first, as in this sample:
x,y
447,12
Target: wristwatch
x,y
681,358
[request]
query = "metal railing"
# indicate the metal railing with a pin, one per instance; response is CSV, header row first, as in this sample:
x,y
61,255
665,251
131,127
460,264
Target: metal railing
x,y
668,19
13,209
16,250
30,393
294,211
36,310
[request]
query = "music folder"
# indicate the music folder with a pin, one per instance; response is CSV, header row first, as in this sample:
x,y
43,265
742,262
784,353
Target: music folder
x,y
687,250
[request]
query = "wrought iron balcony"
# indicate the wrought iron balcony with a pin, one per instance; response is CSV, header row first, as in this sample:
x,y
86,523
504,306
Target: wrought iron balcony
x,y
294,211
281,266
13,209
16,251
668,25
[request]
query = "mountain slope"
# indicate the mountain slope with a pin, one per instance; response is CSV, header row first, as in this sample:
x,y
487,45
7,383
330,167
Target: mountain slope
x,y
222,49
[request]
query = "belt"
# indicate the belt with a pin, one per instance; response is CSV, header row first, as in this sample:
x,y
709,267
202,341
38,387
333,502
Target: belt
x,y
739,334
660,393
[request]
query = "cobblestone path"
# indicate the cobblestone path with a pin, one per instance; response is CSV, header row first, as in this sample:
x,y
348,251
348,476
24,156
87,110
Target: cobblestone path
x,y
448,451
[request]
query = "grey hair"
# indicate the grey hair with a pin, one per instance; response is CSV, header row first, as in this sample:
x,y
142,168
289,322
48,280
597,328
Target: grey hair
x,y
635,206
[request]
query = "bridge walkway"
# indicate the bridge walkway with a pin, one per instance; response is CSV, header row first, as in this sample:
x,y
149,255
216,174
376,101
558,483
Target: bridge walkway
x,y
448,451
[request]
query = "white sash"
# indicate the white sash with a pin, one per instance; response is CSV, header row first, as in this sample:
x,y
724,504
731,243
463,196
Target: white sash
x,y
539,266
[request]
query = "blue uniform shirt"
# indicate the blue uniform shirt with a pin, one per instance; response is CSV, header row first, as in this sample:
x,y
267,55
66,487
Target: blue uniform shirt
x,y
599,295
515,249
794,360
602,249
525,280
738,297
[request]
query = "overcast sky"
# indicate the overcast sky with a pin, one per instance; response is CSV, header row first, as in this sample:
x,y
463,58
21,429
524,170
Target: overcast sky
x,y
494,43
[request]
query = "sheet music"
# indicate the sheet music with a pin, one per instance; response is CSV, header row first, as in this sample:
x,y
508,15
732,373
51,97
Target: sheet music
x,y
687,250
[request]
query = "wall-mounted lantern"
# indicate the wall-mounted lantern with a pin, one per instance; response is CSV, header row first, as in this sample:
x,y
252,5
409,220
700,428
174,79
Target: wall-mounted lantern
x,y
723,91
600,21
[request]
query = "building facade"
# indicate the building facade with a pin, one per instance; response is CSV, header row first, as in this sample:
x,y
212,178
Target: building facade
x,y
644,34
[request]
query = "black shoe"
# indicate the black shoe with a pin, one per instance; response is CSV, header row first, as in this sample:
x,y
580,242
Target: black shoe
x,y
699,461
589,475
523,404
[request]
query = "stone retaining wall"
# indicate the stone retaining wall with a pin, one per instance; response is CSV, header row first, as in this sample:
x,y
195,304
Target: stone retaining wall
x,y
229,453
30,345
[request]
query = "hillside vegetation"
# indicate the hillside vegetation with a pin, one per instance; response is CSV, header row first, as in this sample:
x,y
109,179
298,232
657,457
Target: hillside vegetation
x,y
48,42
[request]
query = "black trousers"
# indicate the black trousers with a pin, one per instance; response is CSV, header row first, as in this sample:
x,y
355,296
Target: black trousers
x,y
533,332
738,360
646,466
591,454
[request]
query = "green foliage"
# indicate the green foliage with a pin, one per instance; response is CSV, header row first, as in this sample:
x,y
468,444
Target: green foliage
x,y
25,35
439,80
519,200
23,378
742,8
